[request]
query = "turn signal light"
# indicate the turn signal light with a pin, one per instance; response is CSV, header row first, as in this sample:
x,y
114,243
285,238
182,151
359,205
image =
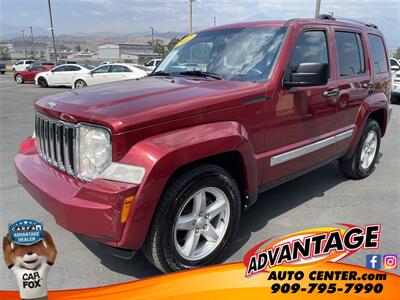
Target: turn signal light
x,y
126,206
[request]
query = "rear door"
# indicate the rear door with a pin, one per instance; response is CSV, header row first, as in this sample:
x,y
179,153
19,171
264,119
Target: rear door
x,y
118,72
302,120
353,77
68,75
380,65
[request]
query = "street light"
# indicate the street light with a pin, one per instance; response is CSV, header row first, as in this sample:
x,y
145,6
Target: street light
x,y
23,37
152,38
33,43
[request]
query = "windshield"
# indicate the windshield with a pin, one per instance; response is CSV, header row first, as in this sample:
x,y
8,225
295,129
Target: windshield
x,y
242,54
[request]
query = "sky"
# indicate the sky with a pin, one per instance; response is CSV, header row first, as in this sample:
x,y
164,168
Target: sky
x,y
126,16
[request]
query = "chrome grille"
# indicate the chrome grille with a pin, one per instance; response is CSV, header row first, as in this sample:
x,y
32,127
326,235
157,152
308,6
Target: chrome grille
x,y
55,142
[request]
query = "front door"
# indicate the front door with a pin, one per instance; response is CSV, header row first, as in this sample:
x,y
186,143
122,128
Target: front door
x,y
302,120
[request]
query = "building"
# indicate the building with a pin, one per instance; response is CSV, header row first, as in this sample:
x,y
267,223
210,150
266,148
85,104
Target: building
x,y
40,50
134,53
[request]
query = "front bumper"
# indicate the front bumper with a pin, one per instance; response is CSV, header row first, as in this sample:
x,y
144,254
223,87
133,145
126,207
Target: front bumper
x,y
91,209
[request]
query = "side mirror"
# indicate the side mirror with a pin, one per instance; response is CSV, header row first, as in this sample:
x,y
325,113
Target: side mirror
x,y
395,68
52,71
308,74
91,73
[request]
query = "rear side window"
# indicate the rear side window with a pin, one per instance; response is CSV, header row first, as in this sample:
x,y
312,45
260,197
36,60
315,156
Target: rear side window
x,y
310,48
379,59
350,53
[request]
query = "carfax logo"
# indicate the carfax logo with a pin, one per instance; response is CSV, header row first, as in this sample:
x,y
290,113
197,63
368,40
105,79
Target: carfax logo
x,y
29,252
311,247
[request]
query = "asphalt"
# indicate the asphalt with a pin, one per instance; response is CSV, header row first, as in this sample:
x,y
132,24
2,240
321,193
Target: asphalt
x,y
321,198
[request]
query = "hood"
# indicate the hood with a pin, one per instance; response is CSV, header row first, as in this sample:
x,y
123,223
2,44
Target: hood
x,y
131,104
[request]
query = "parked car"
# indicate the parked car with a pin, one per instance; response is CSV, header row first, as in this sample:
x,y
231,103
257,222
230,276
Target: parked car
x,y
168,163
395,67
30,73
108,73
143,68
62,75
152,64
22,65
2,68
65,62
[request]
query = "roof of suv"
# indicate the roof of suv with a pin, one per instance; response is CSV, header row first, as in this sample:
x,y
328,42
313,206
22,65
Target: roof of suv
x,y
300,22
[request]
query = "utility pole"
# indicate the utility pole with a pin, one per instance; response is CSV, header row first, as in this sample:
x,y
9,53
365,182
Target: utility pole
x,y
215,21
33,43
152,38
191,15
317,8
23,37
52,33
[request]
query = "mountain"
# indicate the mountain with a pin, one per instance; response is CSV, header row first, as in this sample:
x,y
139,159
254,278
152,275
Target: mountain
x,y
11,31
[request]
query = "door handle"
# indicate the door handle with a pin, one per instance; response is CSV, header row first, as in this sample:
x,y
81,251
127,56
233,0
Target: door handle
x,y
331,93
369,86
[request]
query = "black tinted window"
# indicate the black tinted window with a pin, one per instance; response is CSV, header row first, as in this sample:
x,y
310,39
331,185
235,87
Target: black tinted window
x,y
73,68
118,69
379,60
60,69
310,47
350,53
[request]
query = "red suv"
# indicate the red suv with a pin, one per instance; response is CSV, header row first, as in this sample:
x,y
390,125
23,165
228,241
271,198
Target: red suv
x,y
29,73
168,163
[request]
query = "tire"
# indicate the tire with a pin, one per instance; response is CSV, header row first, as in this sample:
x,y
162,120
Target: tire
x,y
80,84
164,245
3,72
360,164
19,79
395,99
42,82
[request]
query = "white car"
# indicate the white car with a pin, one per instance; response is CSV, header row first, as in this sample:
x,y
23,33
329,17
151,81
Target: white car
x,y
62,75
395,68
152,64
22,65
108,73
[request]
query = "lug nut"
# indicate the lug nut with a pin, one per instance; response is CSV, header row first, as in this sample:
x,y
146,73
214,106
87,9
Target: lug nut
x,y
197,230
205,226
194,222
207,216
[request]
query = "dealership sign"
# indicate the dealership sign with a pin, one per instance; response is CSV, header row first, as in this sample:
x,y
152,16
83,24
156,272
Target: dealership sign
x,y
310,247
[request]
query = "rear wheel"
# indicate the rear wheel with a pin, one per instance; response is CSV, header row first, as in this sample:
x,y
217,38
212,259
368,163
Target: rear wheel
x,y
19,79
42,82
196,218
362,162
80,84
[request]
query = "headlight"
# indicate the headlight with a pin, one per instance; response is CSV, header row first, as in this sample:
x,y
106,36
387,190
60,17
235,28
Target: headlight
x,y
94,151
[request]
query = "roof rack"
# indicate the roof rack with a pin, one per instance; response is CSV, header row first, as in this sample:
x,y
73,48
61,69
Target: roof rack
x,y
330,17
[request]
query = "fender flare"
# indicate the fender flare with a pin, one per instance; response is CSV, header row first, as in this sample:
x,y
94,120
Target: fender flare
x,y
163,154
372,103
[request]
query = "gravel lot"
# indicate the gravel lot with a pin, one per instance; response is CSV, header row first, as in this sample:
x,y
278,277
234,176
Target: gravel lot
x,y
321,198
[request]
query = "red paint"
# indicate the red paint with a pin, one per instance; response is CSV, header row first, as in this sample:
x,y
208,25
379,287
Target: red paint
x,y
163,125
29,75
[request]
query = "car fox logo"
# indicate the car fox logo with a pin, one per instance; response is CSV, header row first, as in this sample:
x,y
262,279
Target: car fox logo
x,y
29,262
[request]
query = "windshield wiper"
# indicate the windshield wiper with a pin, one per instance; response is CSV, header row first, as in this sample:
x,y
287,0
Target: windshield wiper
x,y
201,73
160,73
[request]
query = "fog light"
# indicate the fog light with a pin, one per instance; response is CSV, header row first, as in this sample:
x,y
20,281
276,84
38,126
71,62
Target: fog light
x,y
126,207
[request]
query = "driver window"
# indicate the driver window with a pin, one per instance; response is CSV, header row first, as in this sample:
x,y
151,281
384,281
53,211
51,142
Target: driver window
x,y
103,69
311,47
59,69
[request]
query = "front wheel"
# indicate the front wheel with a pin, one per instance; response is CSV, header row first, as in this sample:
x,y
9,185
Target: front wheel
x,y
196,218
19,79
42,82
362,162
80,84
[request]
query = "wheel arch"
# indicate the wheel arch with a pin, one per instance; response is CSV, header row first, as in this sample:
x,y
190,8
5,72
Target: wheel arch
x,y
166,155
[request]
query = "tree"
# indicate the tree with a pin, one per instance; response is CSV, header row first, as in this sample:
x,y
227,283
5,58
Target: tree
x,y
396,55
4,53
78,48
172,43
159,47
